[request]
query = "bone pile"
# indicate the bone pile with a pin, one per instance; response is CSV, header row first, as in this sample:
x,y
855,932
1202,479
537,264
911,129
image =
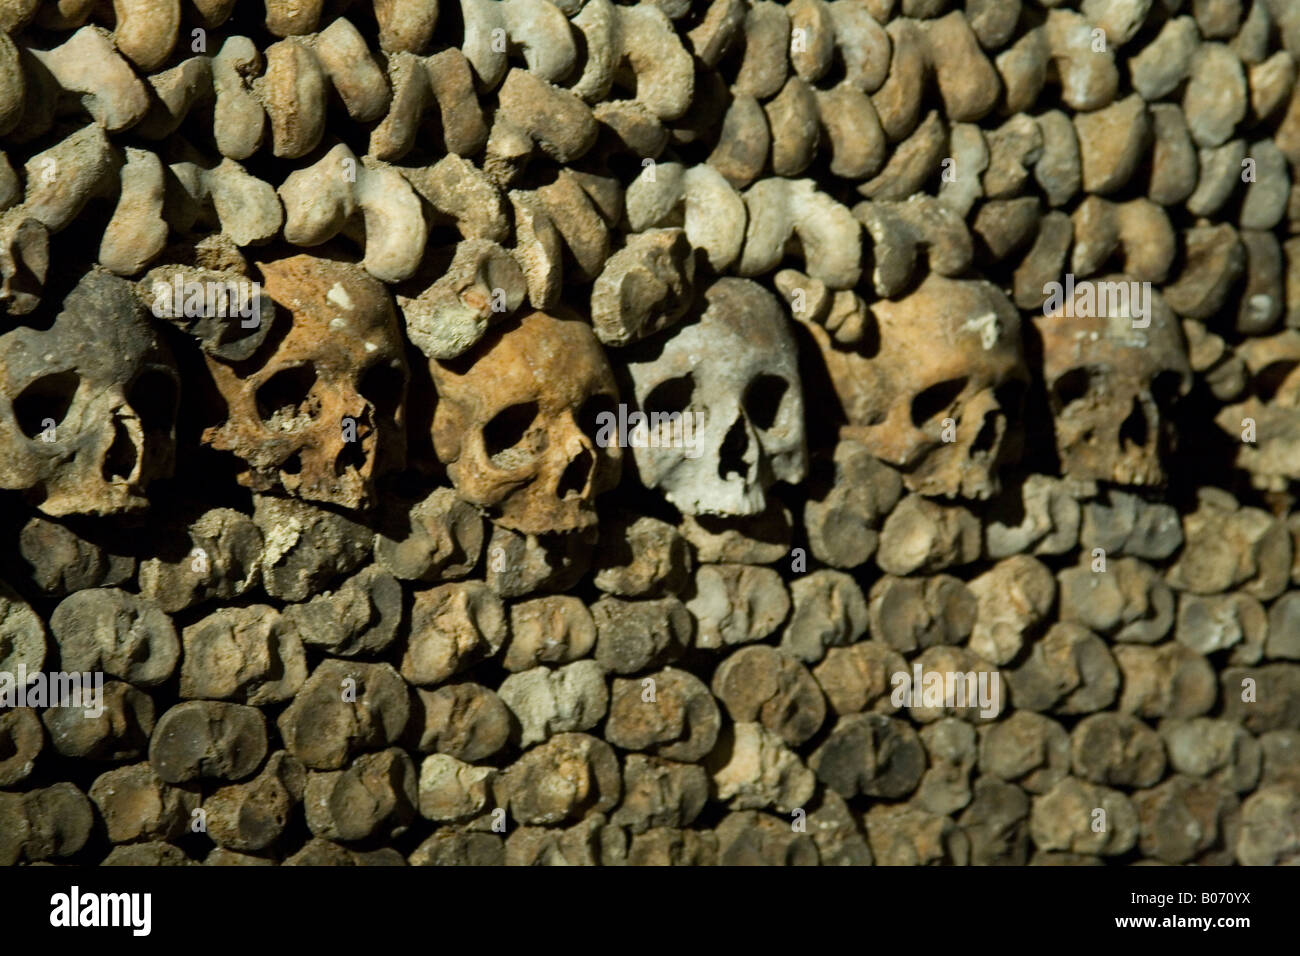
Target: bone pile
x,y
379,568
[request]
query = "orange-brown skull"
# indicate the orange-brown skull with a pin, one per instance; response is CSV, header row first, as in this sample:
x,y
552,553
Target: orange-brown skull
x,y
1113,375
319,410
516,423
932,388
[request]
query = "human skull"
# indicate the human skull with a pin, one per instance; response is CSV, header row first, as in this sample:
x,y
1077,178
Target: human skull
x,y
89,411
320,409
733,375
930,388
516,423
1111,381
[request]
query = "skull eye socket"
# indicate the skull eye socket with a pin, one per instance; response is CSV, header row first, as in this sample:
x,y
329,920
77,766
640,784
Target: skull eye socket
x,y
506,430
383,386
1168,385
1072,386
284,394
936,398
153,396
763,400
44,400
670,395
591,414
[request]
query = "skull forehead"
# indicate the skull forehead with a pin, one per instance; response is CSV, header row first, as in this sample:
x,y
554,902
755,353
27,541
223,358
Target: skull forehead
x,y
101,332
742,331
342,317
556,362
1110,343
947,329
748,313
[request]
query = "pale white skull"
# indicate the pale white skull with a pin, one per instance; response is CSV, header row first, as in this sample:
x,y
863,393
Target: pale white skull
x,y
733,376
88,416
1111,381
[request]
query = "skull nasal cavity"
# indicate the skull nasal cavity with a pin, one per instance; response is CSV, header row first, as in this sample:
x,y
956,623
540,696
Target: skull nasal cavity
x,y
121,458
285,392
576,475
506,430
47,398
930,401
352,456
731,459
763,400
987,439
1134,430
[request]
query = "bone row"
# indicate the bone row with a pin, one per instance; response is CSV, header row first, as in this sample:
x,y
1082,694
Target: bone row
x,y
390,730
743,232
888,72
968,804
754,137
322,412
1164,642
777,44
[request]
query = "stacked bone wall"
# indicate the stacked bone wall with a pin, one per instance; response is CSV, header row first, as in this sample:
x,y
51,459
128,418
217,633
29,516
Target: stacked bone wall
x,y
558,432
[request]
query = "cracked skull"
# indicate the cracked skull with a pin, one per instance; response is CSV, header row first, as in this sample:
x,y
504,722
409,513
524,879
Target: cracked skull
x,y
931,387
90,412
516,424
1111,383
724,404
320,408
